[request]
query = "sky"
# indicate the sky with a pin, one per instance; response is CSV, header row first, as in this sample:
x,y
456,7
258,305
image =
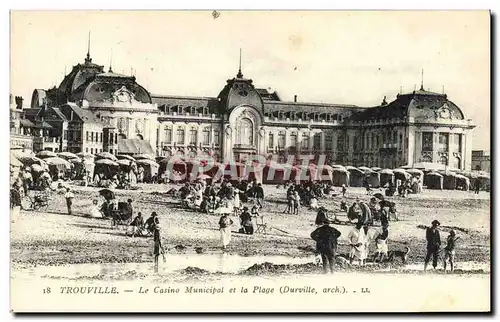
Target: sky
x,y
338,57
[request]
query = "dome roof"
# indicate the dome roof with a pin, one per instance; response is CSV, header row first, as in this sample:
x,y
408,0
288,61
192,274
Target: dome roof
x,y
89,81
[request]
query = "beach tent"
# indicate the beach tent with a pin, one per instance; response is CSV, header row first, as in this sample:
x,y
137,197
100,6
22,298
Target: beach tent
x,y
463,183
386,176
449,180
356,176
373,179
340,176
433,180
401,174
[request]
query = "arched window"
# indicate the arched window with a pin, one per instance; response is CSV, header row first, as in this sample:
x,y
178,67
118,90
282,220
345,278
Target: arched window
x,y
456,163
245,131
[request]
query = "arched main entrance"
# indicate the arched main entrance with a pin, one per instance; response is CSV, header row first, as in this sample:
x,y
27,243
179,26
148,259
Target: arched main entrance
x,y
244,133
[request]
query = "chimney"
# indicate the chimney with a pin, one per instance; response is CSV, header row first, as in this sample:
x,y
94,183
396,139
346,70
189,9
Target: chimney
x,y
295,98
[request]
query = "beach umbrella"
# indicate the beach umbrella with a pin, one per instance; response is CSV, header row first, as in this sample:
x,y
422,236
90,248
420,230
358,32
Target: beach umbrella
x,y
107,194
57,161
106,162
14,162
204,177
29,160
46,154
125,157
376,169
124,162
106,155
67,155
85,155
144,157
37,168
400,171
147,162
350,167
386,171
18,153
75,160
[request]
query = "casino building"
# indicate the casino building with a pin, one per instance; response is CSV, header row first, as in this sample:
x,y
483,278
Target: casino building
x,y
94,110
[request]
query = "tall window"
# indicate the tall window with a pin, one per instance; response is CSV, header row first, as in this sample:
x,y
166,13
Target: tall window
x,y
87,136
328,140
400,141
180,136
168,135
245,132
457,142
206,136
100,137
443,142
281,139
65,134
317,141
304,143
193,136
271,140
293,139
340,142
427,142
216,137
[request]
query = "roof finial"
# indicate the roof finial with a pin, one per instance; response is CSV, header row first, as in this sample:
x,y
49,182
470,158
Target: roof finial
x,y
88,59
422,82
111,61
239,75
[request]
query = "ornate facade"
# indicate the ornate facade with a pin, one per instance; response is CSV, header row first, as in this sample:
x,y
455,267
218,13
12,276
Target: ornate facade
x,y
420,126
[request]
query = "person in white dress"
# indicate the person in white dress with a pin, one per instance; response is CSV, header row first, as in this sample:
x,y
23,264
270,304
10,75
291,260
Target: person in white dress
x,y
357,241
95,212
236,202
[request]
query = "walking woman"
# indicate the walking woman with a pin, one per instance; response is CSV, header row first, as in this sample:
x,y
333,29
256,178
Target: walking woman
x,y
225,230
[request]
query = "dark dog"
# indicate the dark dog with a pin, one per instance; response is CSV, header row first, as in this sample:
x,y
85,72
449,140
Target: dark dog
x,y
402,254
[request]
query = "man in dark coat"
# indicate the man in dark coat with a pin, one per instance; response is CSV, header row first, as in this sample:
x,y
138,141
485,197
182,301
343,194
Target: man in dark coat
x,y
326,244
433,244
259,194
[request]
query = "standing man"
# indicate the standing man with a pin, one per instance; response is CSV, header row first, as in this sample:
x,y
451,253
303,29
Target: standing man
x,y
433,244
326,244
15,200
69,200
157,248
259,195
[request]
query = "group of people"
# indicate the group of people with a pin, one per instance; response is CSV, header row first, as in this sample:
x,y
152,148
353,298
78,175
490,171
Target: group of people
x,y
224,197
362,235
305,194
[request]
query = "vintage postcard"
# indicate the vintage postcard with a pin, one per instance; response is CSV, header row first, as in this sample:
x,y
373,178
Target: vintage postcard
x,y
250,161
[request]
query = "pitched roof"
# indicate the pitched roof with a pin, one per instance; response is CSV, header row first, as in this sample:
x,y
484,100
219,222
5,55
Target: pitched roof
x,y
26,123
59,113
85,115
